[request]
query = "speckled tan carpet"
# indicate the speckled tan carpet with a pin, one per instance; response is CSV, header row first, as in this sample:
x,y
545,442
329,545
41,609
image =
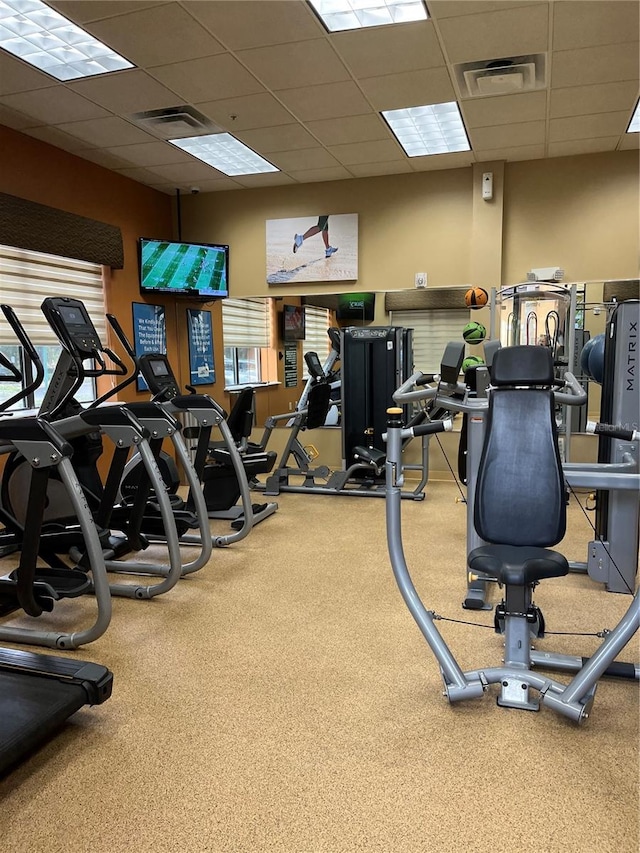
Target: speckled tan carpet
x,y
282,699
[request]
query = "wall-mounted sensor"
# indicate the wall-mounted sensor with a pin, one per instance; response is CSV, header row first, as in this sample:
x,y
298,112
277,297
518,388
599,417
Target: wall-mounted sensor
x,y
487,186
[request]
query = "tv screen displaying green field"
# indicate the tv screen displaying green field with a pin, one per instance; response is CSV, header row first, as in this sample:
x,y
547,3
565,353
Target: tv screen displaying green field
x,y
199,270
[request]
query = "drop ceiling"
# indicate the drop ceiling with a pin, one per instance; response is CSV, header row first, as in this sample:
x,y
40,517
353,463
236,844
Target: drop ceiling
x,y
309,101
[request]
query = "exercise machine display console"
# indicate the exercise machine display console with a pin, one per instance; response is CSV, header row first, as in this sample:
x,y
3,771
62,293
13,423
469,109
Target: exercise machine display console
x,y
157,373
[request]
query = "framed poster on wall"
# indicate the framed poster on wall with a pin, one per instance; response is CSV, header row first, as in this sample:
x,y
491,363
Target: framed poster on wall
x,y
312,248
149,332
200,332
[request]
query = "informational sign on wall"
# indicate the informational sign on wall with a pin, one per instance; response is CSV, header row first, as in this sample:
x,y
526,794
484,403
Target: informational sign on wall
x,y
149,332
290,365
201,366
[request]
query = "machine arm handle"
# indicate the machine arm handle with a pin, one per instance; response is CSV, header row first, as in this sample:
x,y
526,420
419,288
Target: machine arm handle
x,y
613,431
575,395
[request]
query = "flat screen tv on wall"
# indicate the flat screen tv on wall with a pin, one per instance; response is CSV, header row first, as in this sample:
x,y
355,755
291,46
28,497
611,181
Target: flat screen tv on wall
x,y
293,323
197,270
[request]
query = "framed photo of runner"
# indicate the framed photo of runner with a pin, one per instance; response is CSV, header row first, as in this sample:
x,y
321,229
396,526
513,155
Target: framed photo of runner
x,y
312,248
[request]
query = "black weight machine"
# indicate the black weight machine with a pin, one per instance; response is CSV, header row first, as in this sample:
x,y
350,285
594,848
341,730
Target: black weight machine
x,y
374,362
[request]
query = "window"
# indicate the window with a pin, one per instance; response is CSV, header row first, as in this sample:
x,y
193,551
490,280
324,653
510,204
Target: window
x,y
315,336
432,331
246,332
26,278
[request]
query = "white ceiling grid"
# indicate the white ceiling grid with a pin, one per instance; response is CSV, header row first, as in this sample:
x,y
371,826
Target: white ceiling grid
x,y
309,101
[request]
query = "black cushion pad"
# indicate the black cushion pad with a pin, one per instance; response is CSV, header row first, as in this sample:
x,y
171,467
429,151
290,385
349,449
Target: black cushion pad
x,y
517,565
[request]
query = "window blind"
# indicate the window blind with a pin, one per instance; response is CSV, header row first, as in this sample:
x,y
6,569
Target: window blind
x,y
433,329
316,323
245,323
26,278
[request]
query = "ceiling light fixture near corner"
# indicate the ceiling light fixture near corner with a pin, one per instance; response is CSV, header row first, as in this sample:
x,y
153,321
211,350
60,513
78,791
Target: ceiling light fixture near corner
x,y
225,153
356,14
634,124
44,38
431,129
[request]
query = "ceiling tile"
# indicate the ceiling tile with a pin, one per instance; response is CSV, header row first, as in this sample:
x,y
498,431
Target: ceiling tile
x,y
304,158
171,35
216,185
92,10
507,136
506,109
300,64
136,173
370,170
150,154
582,146
126,92
390,50
585,23
602,98
366,152
268,179
337,173
608,64
331,100
54,106
441,161
413,89
525,30
16,120
210,78
17,76
629,142
54,136
285,137
520,152
454,8
103,157
587,127
193,171
255,23
349,129
106,132
251,111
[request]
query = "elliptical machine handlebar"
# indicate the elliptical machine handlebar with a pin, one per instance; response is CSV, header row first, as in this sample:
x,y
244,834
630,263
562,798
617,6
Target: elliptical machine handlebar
x,y
16,374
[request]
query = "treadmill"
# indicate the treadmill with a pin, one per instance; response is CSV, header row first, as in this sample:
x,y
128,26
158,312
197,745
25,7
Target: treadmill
x,y
38,693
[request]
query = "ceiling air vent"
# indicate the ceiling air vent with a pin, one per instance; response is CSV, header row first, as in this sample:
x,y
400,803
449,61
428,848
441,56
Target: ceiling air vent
x,y
507,76
175,122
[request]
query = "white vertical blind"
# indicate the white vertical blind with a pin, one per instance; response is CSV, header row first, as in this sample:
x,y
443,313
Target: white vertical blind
x,y
245,323
432,331
26,278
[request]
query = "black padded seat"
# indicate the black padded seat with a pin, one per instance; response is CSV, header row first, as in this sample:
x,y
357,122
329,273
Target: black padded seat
x,y
517,565
370,455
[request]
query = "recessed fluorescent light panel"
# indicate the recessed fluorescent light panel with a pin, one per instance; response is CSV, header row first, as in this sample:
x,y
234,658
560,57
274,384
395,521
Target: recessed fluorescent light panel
x,y
432,129
634,124
356,14
39,35
225,153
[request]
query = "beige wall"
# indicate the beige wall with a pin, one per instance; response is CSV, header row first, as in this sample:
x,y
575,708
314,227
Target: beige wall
x,y
406,223
578,212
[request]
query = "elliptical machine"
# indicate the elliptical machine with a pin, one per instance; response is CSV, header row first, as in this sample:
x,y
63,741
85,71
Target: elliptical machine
x,y
80,342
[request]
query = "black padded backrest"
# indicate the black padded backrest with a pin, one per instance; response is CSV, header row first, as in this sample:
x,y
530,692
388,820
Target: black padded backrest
x,y
240,420
522,365
318,403
520,496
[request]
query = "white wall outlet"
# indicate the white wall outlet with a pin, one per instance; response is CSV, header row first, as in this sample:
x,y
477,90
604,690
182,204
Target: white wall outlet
x,y
421,279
